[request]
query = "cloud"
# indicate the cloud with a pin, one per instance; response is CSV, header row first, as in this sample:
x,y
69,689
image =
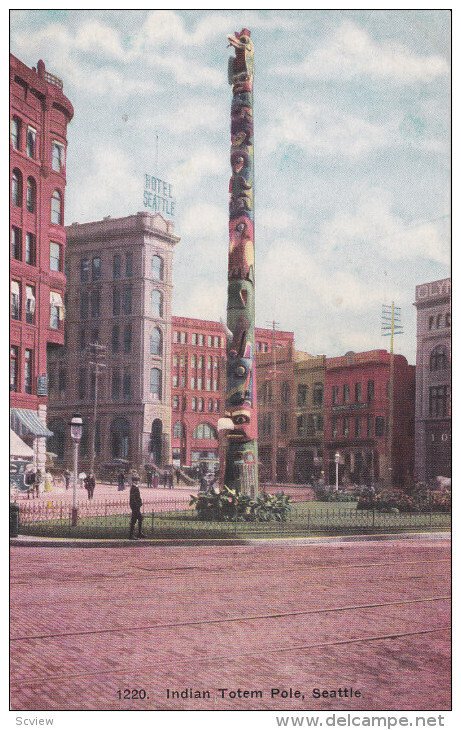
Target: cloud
x,y
324,131
201,163
204,220
373,224
351,53
275,219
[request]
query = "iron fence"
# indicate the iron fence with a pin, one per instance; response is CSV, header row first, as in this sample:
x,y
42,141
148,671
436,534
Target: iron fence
x,y
177,520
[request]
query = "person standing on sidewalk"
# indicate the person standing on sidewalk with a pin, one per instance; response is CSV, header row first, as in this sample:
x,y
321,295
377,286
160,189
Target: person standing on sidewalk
x,y
135,506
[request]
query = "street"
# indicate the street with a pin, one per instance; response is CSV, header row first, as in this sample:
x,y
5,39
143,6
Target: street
x,y
224,627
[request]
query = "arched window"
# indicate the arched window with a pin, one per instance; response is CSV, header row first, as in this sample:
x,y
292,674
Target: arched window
x,y
16,187
157,303
56,208
157,268
438,359
56,443
120,432
205,431
156,342
16,132
439,321
178,430
31,195
156,383
317,394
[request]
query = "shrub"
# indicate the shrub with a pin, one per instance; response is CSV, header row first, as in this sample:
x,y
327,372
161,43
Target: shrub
x,y
230,505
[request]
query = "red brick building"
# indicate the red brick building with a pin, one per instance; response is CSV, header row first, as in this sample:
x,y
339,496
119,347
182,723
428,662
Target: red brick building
x,y
356,417
39,115
198,374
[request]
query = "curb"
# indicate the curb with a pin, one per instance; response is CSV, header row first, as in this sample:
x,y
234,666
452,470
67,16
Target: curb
x,y
52,542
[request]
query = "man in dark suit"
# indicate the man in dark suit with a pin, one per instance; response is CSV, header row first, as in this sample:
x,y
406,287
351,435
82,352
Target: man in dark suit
x,y
135,506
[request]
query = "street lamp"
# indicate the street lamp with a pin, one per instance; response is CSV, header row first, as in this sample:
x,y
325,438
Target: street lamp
x,y
337,458
76,429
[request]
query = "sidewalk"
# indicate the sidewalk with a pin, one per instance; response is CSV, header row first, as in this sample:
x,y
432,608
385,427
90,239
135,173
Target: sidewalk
x,y
104,491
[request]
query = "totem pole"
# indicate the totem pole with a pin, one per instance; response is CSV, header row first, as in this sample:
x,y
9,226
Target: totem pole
x,y
241,471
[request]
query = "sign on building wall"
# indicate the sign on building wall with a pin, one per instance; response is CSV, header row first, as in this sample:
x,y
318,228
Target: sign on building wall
x,y
42,385
158,196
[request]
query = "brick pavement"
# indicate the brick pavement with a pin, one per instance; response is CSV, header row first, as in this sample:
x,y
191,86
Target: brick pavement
x,y
89,622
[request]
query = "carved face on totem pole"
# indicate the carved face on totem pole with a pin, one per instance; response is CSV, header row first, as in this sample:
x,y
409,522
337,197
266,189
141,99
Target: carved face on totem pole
x,y
240,383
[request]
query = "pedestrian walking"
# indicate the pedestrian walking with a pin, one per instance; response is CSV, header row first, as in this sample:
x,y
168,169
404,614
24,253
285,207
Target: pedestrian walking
x,y
148,469
37,482
178,476
121,481
164,478
155,480
91,481
67,478
170,478
135,506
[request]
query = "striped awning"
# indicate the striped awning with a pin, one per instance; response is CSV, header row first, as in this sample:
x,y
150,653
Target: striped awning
x,y
23,422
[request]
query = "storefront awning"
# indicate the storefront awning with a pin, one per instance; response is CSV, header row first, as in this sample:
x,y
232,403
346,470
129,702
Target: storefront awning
x,y
24,421
18,448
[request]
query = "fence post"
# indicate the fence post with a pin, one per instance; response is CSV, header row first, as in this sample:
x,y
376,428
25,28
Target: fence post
x,y
152,521
373,519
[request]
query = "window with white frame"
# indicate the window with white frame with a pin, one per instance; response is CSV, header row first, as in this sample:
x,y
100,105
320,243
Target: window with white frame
x,y
57,156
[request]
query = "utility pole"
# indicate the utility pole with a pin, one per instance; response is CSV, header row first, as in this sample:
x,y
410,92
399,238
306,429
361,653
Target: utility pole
x,y
274,324
98,353
390,319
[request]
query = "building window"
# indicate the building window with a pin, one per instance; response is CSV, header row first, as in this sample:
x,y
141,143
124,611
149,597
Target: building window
x,y
369,427
379,426
358,392
115,339
120,435
84,269
16,243
15,300
157,268
56,208
126,386
55,256
178,430
127,338
285,392
31,248
127,300
183,338
175,381
116,302
217,405
54,316
95,303
210,405
15,133
200,362
157,303
439,321
28,367
317,395
156,383
302,394
31,142
200,340
283,422
57,156
116,382
357,426
438,401
193,361
156,342
96,270
346,393
31,195
370,390
334,427
175,402
448,319
129,264
175,337
318,422
84,305
14,368
194,403
200,404
199,383
345,427
30,304
438,359
335,394
208,384
16,188
117,266
194,338
204,431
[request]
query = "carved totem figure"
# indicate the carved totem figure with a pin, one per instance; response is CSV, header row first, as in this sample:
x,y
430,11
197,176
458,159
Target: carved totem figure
x,y
242,450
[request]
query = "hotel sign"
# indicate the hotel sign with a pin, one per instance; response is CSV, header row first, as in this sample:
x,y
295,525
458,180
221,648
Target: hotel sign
x,y
158,196
434,289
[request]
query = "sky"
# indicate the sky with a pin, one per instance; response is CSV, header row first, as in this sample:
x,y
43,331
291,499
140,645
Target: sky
x,y
352,152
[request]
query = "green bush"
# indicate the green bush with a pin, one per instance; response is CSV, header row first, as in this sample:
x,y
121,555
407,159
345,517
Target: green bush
x,y
230,505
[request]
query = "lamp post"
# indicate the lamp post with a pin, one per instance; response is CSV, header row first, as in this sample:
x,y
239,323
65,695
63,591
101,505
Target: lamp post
x,y
337,458
76,428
